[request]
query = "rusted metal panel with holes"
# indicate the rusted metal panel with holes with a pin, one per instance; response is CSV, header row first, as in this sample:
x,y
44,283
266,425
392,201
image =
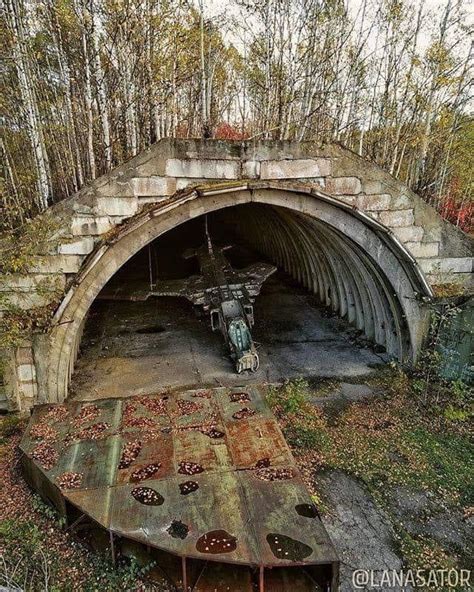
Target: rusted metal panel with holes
x,y
204,474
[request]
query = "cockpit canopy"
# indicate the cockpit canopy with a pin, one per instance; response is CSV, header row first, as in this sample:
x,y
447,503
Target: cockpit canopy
x,y
239,335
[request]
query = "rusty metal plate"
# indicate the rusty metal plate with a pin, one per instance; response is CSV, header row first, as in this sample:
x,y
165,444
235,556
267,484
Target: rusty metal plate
x,y
189,409
95,460
145,413
283,535
100,509
232,401
148,458
204,474
109,411
252,442
201,511
195,447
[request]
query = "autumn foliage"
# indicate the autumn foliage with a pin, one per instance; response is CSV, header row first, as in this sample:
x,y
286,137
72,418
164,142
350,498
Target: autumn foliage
x,y
89,84
225,131
456,208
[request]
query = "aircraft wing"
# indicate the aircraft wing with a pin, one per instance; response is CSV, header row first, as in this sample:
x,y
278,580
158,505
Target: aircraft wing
x,y
253,276
193,288
136,290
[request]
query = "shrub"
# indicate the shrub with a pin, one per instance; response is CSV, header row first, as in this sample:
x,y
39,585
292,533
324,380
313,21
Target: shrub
x,y
9,426
290,397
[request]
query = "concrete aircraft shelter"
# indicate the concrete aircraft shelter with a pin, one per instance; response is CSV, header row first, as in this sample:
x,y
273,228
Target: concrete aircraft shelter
x,y
361,241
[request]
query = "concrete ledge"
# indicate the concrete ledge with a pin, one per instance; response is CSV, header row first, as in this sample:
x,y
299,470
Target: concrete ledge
x,y
26,300
295,169
25,283
149,200
24,355
319,182
58,264
29,391
26,372
82,246
374,202
465,281
251,169
449,265
409,233
184,182
423,249
90,225
347,199
344,186
117,206
153,186
372,186
397,218
199,169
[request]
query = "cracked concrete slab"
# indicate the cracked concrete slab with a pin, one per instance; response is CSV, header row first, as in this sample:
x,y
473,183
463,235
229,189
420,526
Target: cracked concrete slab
x,y
360,531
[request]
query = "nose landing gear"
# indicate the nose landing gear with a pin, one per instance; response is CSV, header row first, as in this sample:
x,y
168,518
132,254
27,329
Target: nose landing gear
x,y
249,362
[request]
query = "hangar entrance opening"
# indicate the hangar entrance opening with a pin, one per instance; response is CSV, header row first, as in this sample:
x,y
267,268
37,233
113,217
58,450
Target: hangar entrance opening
x,y
313,317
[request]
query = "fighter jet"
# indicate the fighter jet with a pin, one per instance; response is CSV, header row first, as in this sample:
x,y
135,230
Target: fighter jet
x,y
224,293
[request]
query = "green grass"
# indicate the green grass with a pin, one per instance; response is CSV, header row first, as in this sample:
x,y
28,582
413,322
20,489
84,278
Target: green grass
x,y
449,462
301,436
289,398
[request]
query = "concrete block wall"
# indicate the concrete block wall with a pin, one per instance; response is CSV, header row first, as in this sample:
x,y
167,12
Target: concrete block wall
x,y
26,375
173,165
18,385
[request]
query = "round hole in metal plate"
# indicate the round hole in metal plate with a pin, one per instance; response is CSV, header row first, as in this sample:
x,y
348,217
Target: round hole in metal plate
x,y
178,530
284,547
239,397
307,510
215,542
189,468
244,413
213,433
146,472
188,487
147,496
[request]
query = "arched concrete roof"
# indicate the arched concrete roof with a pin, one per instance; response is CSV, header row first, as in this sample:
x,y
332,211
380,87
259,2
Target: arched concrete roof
x,y
352,262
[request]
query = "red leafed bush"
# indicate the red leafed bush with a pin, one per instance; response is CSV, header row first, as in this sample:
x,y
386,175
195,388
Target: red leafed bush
x,y
458,212
455,208
225,131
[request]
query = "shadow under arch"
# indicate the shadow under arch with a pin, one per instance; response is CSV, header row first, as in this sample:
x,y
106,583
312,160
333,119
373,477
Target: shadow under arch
x,y
354,264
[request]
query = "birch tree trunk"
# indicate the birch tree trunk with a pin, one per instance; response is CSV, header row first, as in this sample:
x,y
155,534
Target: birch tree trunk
x,y
27,91
206,132
82,13
425,140
100,85
17,209
89,111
